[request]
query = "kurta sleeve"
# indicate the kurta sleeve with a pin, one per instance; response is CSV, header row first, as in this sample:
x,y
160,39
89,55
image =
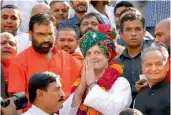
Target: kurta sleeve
x,y
67,108
113,101
17,77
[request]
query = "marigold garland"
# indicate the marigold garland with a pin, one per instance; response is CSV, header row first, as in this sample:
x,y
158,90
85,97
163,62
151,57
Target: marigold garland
x,y
105,82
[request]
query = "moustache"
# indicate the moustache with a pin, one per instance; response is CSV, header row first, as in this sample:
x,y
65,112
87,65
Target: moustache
x,y
90,30
65,47
60,17
44,43
82,5
61,99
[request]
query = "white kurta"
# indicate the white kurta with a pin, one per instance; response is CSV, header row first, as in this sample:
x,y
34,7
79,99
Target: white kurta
x,y
112,102
23,42
35,111
109,19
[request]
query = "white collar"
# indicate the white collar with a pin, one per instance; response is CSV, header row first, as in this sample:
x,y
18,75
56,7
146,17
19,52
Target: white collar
x,y
37,111
92,9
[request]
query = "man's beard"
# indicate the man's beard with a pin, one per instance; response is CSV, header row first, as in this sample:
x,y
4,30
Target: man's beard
x,y
168,46
39,47
82,11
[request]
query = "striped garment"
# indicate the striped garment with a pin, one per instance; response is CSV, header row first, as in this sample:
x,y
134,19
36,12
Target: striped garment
x,y
156,11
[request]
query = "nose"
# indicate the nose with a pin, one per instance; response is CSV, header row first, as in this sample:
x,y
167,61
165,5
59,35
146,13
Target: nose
x,y
62,93
93,56
60,12
133,32
153,68
89,25
156,40
9,20
7,45
66,42
47,38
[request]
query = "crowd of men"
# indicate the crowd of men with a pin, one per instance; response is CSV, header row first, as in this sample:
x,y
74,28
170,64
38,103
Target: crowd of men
x,y
101,60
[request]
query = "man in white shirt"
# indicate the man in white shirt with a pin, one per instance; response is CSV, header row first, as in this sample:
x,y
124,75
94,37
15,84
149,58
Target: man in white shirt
x,y
105,11
45,94
10,19
25,7
100,90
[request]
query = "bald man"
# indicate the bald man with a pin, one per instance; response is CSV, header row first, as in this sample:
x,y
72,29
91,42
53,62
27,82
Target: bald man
x,y
40,8
8,52
162,33
162,37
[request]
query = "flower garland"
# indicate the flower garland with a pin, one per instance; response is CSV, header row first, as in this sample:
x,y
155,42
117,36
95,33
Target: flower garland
x,y
105,82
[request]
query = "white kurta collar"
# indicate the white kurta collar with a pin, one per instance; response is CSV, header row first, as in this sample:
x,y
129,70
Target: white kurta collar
x,y
35,111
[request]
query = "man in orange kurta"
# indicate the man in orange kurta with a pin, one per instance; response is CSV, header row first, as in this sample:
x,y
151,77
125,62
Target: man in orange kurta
x,y
42,56
29,62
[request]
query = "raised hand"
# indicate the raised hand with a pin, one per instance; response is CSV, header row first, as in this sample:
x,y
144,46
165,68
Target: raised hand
x,y
83,76
141,85
90,75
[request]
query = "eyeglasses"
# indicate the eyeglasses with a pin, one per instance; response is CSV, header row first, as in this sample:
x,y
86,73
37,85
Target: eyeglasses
x,y
43,35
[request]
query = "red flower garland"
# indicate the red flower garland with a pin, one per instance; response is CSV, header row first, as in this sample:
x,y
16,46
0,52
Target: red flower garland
x,y
108,78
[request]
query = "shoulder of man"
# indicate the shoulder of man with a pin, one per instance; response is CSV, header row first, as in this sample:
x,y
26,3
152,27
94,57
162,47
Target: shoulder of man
x,y
22,57
118,59
147,43
65,23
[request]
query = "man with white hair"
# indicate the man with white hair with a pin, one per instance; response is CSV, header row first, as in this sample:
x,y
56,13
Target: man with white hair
x,y
155,99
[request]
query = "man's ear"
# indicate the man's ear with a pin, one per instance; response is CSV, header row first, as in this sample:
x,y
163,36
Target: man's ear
x,y
39,94
122,35
144,32
167,66
78,42
20,18
30,35
20,22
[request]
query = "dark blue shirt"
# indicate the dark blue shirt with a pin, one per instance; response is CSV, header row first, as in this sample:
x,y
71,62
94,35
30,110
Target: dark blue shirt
x,y
71,23
132,66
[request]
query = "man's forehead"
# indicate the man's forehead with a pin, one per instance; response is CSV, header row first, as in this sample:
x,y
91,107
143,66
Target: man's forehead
x,y
60,5
136,23
44,27
67,35
94,48
8,11
120,9
66,32
153,53
162,26
7,38
88,19
56,83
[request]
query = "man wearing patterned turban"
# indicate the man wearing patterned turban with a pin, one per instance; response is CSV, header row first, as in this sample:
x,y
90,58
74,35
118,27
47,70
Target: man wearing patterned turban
x,y
100,89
